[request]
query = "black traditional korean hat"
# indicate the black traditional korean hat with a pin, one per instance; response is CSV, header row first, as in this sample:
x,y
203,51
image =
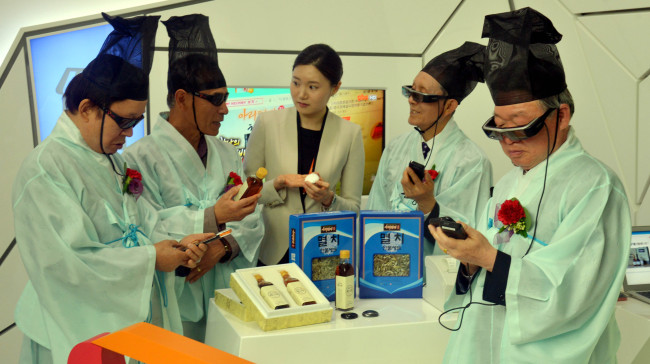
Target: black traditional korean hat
x,y
193,62
121,68
458,70
522,63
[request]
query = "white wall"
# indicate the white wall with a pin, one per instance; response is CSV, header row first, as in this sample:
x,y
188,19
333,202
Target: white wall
x,y
605,56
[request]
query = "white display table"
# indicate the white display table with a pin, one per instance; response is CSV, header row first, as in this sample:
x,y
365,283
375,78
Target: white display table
x,y
406,331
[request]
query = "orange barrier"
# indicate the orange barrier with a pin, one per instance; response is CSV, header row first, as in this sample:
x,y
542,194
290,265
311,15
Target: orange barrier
x,y
149,344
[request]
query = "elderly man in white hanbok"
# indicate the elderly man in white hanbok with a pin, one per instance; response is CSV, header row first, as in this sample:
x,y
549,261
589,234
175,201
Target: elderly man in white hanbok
x,y
462,186
87,245
543,270
186,168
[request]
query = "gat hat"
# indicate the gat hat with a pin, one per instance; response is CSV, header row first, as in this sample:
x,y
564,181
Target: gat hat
x,y
458,70
522,63
193,62
126,55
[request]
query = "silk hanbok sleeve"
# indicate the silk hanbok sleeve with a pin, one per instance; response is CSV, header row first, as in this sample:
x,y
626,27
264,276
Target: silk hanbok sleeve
x,y
84,285
467,191
548,290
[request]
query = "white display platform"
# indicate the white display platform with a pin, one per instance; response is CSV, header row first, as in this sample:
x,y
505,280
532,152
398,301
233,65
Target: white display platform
x,y
406,331
633,317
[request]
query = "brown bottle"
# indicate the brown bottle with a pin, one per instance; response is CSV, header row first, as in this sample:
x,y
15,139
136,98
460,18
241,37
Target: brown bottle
x,y
297,290
253,184
270,293
345,283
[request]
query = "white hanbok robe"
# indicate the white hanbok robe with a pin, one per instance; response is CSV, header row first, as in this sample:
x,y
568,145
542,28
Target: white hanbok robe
x,y
180,187
461,189
86,247
560,298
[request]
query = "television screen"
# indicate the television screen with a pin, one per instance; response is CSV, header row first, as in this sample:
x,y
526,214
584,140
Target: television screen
x,y
361,106
55,59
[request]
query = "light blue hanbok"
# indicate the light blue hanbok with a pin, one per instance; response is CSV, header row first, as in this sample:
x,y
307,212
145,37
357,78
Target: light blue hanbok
x,y
462,187
560,298
86,246
181,188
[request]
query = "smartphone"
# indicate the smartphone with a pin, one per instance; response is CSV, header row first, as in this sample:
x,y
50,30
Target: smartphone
x,y
450,227
418,169
183,271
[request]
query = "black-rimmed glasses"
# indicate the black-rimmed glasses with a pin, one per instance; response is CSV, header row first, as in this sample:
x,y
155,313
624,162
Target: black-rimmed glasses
x,y
215,99
123,123
418,96
517,133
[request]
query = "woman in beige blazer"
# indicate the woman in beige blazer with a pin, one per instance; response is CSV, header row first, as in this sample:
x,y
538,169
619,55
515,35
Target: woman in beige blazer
x,y
293,142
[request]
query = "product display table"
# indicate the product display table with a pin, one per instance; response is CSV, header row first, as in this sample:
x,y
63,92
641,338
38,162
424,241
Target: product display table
x,y
406,331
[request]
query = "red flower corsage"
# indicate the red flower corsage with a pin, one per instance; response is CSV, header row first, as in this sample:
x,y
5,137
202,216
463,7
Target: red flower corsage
x,y
432,172
132,182
514,217
233,180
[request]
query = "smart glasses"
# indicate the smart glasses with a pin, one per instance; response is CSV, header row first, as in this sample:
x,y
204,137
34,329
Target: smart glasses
x,y
418,96
123,123
517,133
216,99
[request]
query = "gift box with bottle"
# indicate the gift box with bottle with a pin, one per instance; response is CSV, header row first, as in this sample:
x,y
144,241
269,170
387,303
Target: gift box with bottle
x,y
275,296
390,254
315,242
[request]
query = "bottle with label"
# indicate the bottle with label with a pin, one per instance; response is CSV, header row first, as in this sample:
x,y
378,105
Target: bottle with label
x,y
253,184
345,283
270,293
297,290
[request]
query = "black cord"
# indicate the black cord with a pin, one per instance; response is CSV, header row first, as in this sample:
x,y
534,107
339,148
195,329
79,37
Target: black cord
x,y
101,145
7,328
462,308
435,123
539,204
548,155
201,134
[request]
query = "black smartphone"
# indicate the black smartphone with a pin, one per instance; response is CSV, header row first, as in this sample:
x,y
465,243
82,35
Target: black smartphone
x,y
183,271
418,169
450,227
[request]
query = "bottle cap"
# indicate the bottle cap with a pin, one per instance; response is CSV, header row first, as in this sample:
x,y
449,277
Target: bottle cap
x,y
261,173
345,254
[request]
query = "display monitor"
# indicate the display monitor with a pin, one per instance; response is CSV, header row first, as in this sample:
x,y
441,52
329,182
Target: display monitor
x,y
54,60
638,265
365,107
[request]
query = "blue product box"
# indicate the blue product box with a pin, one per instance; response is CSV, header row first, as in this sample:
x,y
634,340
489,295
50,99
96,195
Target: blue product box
x,y
391,261
316,241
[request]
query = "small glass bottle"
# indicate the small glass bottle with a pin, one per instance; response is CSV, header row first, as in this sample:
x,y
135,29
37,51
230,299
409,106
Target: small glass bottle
x,y
253,184
345,283
270,293
297,290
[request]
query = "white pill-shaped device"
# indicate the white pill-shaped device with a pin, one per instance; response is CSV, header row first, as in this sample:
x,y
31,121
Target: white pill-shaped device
x,y
312,178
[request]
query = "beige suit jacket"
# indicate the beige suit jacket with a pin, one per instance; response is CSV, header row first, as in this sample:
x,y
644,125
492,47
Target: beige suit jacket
x,y
273,144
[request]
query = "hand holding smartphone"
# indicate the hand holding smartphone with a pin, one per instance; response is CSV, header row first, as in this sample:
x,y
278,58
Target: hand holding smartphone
x,y
183,271
450,227
418,169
